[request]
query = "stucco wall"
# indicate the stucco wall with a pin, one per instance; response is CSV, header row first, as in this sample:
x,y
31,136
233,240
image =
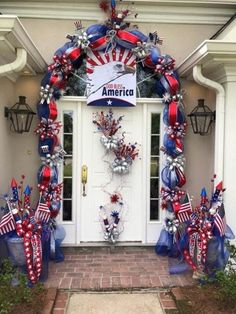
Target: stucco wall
x,y
199,150
7,96
179,41
26,144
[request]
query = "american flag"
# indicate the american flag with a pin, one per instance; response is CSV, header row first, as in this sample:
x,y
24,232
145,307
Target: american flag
x,y
42,212
219,220
7,223
185,210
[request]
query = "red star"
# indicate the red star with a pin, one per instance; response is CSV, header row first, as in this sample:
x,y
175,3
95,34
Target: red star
x,y
114,198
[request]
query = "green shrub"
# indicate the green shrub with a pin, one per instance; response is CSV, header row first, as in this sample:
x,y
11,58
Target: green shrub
x,y
14,288
226,279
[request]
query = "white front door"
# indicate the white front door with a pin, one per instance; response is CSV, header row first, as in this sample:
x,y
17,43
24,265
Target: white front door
x,y
81,140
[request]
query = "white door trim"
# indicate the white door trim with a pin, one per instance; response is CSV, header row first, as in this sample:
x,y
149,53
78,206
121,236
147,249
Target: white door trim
x,y
75,103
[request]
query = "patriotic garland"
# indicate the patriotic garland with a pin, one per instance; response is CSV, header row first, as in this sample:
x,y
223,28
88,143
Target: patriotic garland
x,y
103,38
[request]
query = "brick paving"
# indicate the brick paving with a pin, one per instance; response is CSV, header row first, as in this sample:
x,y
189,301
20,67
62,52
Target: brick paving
x,y
114,268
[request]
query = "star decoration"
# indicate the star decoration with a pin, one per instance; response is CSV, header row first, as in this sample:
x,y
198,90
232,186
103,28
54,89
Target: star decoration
x,y
166,97
109,102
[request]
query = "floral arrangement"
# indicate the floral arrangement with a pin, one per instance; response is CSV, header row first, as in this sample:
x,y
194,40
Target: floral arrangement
x,y
125,153
197,236
111,216
20,216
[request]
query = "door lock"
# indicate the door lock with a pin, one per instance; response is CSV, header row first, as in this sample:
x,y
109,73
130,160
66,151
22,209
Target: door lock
x,y
84,178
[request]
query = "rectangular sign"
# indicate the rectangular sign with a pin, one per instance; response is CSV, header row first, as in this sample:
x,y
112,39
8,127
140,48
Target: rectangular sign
x,y
111,78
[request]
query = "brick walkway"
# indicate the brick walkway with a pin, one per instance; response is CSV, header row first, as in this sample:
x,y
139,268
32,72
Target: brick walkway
x,y
114,268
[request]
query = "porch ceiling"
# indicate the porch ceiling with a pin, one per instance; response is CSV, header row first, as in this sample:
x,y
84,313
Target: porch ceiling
x,y
13,36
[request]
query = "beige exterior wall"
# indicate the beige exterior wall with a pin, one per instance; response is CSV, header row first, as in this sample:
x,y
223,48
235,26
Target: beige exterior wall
x,y
26,144
179,41
7,96
199,150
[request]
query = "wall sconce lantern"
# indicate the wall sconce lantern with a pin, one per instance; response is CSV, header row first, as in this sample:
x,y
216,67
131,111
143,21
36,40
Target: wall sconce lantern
x,y
20,116
201,118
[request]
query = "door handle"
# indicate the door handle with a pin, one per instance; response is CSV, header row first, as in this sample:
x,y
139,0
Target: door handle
x,y
84,178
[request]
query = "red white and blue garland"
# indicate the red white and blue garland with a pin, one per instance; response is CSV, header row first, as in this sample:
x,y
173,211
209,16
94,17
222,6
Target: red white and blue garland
x,y
103,38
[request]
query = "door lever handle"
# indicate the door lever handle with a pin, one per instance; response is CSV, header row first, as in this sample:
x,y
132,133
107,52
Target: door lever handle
x,y
84,178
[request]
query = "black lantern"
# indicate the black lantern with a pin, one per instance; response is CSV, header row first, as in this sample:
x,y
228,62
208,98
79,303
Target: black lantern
x,y
201,118
20,115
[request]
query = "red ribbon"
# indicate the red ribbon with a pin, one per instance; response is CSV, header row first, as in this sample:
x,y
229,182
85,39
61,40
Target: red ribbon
x,y
176,206
57,80
128,37
46,175
181,177
173,83
173,113
73,53
99,43
52,110
179,145
121,35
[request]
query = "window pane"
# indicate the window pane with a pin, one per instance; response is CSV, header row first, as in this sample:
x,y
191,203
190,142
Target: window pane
x,y
155,123
67,210
68,144
155,167
67,188
154,188
67,167
154,209
155,145
68,122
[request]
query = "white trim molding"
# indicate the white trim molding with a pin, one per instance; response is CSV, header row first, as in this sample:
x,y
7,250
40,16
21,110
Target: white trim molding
x,y
211,54
155,11
13,38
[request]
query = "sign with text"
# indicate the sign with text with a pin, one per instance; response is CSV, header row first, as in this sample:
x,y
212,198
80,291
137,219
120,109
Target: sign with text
x,y
111,78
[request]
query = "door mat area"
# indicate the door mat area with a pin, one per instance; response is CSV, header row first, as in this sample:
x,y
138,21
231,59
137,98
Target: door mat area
x,y
115,303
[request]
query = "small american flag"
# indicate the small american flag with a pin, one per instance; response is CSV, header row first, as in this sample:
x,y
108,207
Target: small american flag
x,y
219,220
42,212
7,223
185,210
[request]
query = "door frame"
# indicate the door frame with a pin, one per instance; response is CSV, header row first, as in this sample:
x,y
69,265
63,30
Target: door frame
x,y
74,103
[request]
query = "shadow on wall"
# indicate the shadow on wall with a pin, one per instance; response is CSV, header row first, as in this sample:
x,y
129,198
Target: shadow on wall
x,y
199,150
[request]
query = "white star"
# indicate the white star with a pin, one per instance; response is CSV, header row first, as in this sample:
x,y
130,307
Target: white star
x,y
109,102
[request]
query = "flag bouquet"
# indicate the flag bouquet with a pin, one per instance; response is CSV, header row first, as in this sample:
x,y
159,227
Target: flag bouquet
x,y
197,236
20,220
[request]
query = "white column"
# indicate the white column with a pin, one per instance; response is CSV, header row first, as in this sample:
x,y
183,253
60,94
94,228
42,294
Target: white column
x,y
229,82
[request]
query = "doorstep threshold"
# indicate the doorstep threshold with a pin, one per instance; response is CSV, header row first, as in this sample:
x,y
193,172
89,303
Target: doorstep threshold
x,y
107,244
